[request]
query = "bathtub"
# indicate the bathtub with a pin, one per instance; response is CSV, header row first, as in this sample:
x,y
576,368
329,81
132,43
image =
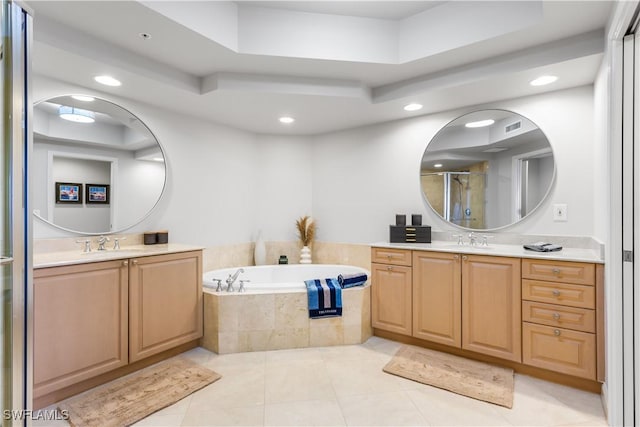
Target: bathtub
x,y
272,313
277,278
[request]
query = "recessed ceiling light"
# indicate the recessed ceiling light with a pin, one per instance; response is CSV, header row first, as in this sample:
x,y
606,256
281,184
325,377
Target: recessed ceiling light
x,y
286,120
76,114
107,80
145,36
480,123
83,98
543,80
437,165
412,107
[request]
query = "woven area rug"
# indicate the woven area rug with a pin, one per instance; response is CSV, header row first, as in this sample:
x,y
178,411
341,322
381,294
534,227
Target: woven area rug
x,y
463,376
126,400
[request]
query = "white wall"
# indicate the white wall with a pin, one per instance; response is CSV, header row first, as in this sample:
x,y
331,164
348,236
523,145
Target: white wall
x,y
221,183
363,177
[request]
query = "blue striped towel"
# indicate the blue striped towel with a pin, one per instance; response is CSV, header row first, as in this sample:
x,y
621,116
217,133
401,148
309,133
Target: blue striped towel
x,y
325,298
351,280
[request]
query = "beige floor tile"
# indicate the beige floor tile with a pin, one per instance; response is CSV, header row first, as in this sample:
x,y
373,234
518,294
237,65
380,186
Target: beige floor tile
x,y
239,386
198,355
365,376
249,359
238,416
307,413
382,346
444,408
532,406
48,412
280,357
350,352
161,420
298,381
381,409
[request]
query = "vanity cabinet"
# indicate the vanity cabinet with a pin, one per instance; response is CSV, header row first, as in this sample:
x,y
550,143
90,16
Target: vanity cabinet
x,y
437,290
165,302
80,324
95,318
537,315
391,290
491,306
559,316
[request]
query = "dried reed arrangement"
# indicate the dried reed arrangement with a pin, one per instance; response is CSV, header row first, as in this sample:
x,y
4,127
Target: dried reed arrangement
x,y
306,230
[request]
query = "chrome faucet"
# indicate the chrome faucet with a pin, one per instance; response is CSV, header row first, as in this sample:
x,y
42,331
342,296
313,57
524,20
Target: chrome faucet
x,y
87,245
101,242
473,239
232,279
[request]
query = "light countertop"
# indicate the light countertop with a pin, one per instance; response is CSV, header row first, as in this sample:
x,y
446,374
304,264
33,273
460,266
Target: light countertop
x,y
566,254
56,259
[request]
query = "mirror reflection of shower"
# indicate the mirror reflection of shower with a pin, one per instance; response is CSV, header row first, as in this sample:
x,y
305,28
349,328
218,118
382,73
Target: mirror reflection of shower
x,y
462,196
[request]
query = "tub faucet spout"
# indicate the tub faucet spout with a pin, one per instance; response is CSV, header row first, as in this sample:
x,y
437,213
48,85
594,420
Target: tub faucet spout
x,y
232,279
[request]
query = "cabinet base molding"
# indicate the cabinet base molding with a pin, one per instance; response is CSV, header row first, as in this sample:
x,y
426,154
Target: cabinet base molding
x,y
58,395
571,381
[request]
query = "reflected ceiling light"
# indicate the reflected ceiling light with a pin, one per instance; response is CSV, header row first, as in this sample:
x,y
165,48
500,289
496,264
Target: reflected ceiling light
x,y
107,80
286,120
543,80
158,159
83,98
437,165
76,114
412,107
480,123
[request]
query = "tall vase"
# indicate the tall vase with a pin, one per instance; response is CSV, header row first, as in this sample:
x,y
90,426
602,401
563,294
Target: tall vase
x,y
305,255
260,251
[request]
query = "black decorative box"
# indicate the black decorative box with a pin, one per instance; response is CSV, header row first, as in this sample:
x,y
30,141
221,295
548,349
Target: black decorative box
x,y
410,234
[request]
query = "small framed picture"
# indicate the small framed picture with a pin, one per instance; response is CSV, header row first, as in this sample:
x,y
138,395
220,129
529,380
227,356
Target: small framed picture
x,y
97,194
68,193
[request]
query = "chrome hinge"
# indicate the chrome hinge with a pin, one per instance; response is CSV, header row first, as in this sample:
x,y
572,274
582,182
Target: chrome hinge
x,y
627,256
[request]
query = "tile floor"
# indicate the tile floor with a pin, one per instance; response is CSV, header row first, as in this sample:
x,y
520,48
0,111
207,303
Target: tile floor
x,y
345,386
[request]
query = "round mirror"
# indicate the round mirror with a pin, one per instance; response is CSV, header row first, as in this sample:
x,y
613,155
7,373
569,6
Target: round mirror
x,y
487,170
97,168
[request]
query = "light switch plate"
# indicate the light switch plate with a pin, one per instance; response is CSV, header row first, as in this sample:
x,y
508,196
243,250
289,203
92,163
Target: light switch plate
x,y
560,212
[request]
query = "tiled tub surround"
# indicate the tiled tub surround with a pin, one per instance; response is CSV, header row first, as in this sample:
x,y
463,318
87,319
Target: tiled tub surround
x,y
236,322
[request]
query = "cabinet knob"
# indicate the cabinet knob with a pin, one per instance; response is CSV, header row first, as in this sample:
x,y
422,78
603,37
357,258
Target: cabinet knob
x,y
556,293
134,262
556,332
456,257
464,257
556,316
125,263
556,271
389,268
389,257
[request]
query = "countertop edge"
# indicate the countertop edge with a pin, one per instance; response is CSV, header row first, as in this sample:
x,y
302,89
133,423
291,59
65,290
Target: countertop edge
x,y
66,258
515,251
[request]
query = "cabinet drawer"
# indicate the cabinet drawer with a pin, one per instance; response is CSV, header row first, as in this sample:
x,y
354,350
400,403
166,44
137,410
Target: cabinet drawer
x,y
559,271
561,350
559,293
391,256
579,319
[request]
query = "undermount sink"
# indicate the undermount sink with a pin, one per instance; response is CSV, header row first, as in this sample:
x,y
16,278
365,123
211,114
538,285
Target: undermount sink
x,y
111,252
465,248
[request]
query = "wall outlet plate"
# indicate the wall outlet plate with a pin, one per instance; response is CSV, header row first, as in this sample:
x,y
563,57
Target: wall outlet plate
x,y
560,212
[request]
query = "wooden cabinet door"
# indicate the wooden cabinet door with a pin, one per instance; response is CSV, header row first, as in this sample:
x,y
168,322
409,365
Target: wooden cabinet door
x,y
79,323
391,298
491,311
165,302
436,297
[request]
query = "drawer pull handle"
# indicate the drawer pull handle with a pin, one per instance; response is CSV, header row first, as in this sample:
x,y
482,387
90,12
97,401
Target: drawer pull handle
x,y
556,332
389,268
125,263
456,256
134,262
464,257
556,271
556,293
556,316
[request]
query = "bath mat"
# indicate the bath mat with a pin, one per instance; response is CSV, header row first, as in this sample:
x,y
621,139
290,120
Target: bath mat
x,y
463,376
126,400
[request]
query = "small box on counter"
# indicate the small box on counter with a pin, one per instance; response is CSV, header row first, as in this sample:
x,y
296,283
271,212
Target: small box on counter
x,y
150,238
410,234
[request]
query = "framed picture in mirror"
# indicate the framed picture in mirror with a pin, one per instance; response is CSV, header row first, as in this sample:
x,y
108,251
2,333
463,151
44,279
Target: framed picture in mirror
x,y
97,194
68,193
